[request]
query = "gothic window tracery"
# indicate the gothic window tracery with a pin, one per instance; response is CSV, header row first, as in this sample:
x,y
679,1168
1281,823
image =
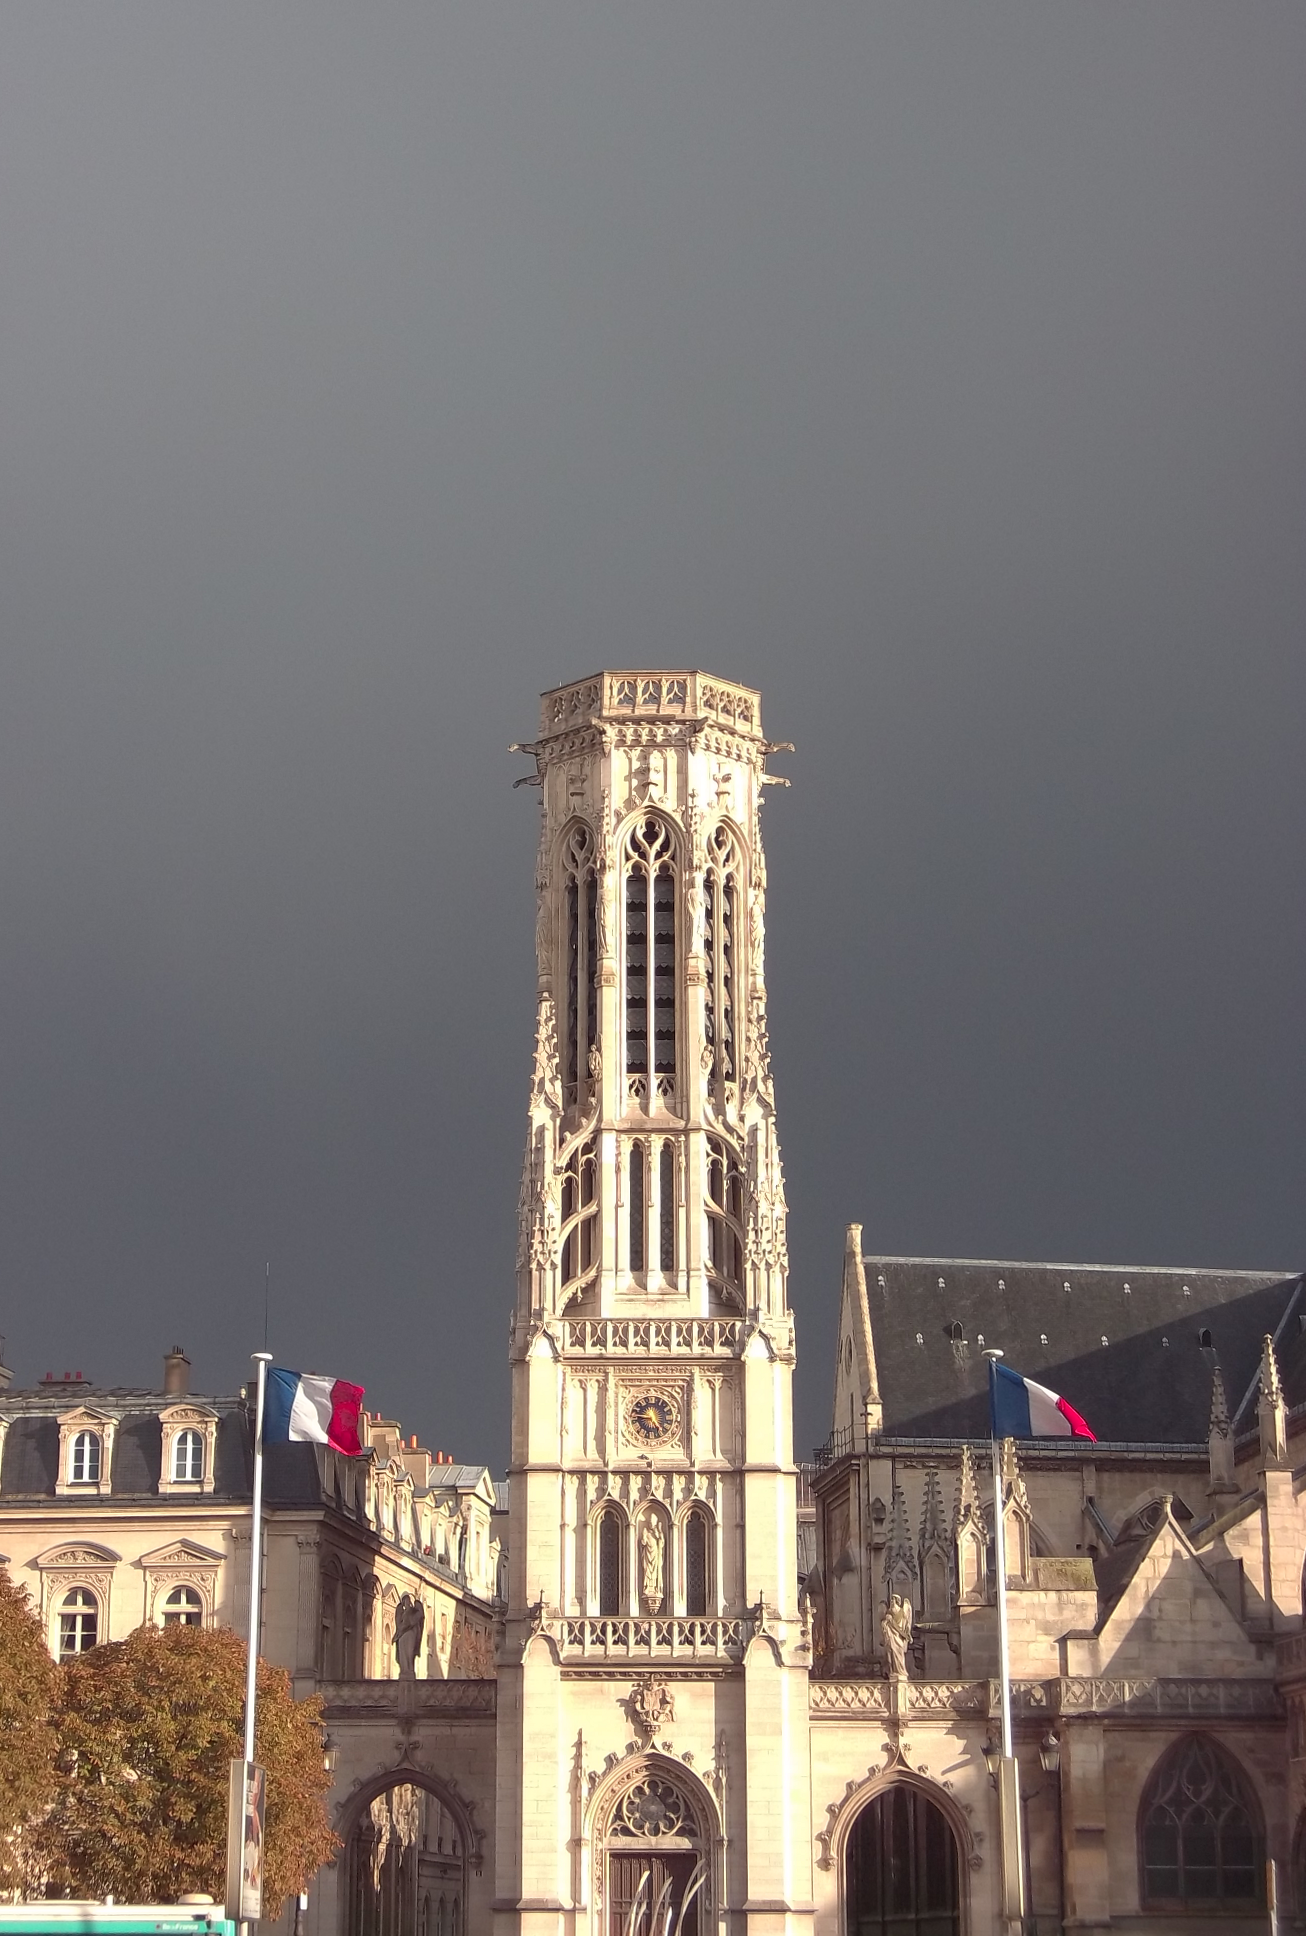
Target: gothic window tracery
x,y
720,944
725,1214
1199,1830
580,1203
580,1015
650,944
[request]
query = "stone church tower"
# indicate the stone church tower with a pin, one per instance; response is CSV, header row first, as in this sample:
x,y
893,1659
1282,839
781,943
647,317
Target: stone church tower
x,y
653,1694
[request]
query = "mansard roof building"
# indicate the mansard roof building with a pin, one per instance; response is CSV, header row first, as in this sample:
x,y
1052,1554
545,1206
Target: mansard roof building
x,y
122,1507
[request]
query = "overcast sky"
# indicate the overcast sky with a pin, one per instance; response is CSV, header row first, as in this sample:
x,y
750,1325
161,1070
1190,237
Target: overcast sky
x,y
363,370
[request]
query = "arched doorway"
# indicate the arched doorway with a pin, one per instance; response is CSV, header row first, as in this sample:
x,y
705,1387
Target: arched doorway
x,y
902,1870
655,1856
405,1866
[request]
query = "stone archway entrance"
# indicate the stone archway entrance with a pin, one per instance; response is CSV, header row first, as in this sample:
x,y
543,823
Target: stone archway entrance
x,y
406,1866
902,1868
656,1860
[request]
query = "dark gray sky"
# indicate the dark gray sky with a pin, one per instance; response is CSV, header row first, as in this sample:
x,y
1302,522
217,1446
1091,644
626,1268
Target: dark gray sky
x,y
937,369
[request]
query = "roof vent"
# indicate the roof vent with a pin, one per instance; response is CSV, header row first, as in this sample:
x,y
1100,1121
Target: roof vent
x,y
979,1338
1187,1292
1104,1338
1165,1344
1126,1290
1002,1283
942,1285
1065,1283
1042,1337
919,1338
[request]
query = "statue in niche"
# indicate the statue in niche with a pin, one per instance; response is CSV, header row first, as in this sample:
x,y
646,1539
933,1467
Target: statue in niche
x,y
896,1632
410,1621
652,1552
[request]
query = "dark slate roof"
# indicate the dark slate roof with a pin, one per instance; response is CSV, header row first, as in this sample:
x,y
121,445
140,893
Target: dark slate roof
x,y
1150,1382
31,1453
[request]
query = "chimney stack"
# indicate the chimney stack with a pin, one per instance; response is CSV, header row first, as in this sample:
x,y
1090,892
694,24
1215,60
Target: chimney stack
x,y
176,1373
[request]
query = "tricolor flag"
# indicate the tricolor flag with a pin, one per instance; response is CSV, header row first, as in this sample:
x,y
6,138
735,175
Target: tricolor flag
x,y
1020,1409
301,1405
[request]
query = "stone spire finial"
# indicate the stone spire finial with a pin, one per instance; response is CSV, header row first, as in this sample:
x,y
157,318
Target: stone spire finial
x,y
856,1324
1271,1411
933,1524
970,1533
1220,1438
970,1506
900,1565
1219,1403
1013,1479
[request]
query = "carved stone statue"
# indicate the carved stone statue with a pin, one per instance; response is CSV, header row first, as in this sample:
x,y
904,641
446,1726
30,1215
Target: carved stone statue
x,y
410,1621
652,1549
896,1632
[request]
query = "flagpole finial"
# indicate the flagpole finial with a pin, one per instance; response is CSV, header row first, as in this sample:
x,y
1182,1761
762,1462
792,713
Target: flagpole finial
x,y
992,1353
261,1357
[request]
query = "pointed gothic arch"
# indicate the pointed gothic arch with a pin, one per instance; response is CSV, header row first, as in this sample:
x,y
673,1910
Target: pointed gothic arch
x,y
650,895
655,1835
408,1838
930,1895
579,888
1201,1833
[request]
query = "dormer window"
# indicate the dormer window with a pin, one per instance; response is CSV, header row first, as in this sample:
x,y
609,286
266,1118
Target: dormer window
x,y
84,1461
85,1451
188,1449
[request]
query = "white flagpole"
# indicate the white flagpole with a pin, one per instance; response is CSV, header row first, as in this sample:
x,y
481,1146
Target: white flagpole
x,y
1011,1798
262,1359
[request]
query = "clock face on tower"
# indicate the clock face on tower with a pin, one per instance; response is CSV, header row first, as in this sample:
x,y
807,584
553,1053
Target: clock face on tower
x,y
652,1418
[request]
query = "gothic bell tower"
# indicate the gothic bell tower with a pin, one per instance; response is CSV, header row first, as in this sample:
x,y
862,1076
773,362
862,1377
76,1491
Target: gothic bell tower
x,y
655,1664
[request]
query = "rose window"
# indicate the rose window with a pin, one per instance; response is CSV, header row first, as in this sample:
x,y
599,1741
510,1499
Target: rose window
x,y
652,1809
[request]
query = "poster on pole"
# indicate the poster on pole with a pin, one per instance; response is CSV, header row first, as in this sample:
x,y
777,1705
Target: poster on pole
x,y
245,1803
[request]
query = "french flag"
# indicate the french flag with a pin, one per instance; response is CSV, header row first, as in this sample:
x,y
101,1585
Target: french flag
x,y
300,1405
1023,1410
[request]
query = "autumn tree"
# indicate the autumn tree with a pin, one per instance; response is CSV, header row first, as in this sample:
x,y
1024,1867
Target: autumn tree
x,y
27,1739
148,1727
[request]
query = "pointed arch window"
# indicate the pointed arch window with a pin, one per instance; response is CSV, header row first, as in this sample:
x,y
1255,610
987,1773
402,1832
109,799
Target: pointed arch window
x,y
725,1213
650,940
720,945
638,1206
580,1019
610,1543
580,1205
902,1875
667,1208
697,1561
1199,1830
